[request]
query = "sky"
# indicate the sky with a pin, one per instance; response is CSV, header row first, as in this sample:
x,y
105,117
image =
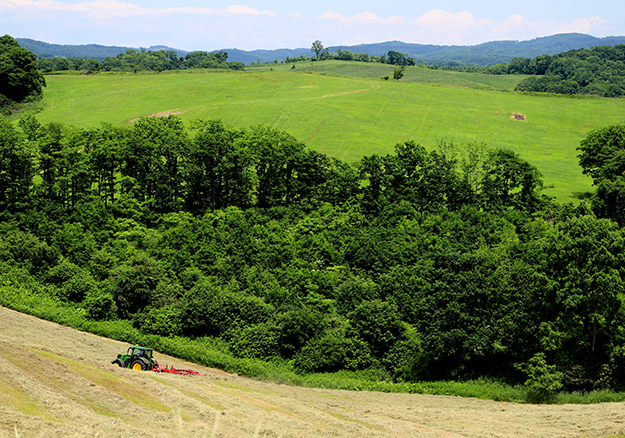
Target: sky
x,y
271,24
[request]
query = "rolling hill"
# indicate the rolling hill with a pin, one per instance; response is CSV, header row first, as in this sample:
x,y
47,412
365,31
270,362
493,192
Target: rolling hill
x,y
348,117
482,54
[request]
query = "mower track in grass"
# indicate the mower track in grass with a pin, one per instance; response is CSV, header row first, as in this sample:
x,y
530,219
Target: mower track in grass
x,y
59,382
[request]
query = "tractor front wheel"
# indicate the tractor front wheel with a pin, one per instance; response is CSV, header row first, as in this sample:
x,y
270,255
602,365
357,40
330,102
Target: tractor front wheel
x,y
119,363
138,365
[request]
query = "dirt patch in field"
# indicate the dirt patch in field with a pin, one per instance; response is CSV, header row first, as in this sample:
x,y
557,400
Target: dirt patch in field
x,y
520,117
59,382
161,114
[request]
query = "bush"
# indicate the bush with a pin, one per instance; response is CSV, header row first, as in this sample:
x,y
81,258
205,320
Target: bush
x,y
164,321
296,328
100,306
78,287
377,323
211,310
333,352
258,341
544,381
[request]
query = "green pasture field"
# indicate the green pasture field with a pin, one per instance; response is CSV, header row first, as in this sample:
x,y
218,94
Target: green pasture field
x,y
375,70
348,117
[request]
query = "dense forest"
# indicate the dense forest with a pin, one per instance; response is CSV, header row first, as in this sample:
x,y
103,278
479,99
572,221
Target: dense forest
x,y
421,265
144,60
20,81
447,264
599,71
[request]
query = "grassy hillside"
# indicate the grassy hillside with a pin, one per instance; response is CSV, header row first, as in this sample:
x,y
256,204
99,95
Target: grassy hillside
x,y
375,70
349,117
58,382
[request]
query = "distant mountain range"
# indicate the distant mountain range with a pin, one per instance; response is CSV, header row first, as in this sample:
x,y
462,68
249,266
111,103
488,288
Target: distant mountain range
x,y
482,54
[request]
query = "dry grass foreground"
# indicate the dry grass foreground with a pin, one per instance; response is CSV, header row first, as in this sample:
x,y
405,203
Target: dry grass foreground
x,y
59,382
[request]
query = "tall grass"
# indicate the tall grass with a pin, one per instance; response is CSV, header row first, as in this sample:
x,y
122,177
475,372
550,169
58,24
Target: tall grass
x,y
213,353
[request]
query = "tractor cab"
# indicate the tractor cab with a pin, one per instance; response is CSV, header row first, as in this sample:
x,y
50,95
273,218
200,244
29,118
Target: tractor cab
x,y
137,358
135,351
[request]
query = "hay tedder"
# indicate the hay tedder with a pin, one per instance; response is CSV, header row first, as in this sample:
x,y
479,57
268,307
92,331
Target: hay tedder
x,y
141,359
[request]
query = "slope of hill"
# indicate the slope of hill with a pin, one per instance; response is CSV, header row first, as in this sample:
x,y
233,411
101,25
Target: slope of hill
x,y
59,382
92,51
503,51
349,117
481,54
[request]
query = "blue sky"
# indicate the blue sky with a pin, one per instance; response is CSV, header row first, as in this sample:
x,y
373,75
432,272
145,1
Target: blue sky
x,y
270,24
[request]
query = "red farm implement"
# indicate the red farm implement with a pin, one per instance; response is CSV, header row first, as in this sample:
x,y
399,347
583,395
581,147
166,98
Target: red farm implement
x,y
141,359
172,370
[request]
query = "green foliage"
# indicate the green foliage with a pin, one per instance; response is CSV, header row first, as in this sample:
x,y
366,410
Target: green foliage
x,y
401,59
416,265
601,156
134,285
598,70
508,181
100,306
140,60
333,352
16,167
296,328
163,321
19,78
543,380
317,48
219,169
211,310
377,323
259,341
398,73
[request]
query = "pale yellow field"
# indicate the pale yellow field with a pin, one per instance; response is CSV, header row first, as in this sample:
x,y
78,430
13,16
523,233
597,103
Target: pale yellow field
x,y
58,382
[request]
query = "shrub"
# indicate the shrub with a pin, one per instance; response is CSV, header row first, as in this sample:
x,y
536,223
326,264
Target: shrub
x,y
100,306
296,328
377,323
211,310
259,341
333,352
543,382
164,321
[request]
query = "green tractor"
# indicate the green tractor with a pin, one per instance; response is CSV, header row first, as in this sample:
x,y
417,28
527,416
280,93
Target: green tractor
x,y
137,358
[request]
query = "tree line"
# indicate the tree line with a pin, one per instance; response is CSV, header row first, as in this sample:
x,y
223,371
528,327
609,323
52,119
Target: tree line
x,y
142,60
418,264
20,81
595,71
599,70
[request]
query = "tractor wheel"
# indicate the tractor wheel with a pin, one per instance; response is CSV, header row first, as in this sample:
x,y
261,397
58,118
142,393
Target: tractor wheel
x,y
138,365
119,363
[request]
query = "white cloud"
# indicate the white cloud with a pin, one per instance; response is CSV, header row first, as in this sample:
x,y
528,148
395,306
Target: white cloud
x,y
364,18
118,22
246,10
442,27
583,25
513,24
112,8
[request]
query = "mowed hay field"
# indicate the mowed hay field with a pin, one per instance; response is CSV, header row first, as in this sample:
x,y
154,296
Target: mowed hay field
x,y
59,382
348,117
